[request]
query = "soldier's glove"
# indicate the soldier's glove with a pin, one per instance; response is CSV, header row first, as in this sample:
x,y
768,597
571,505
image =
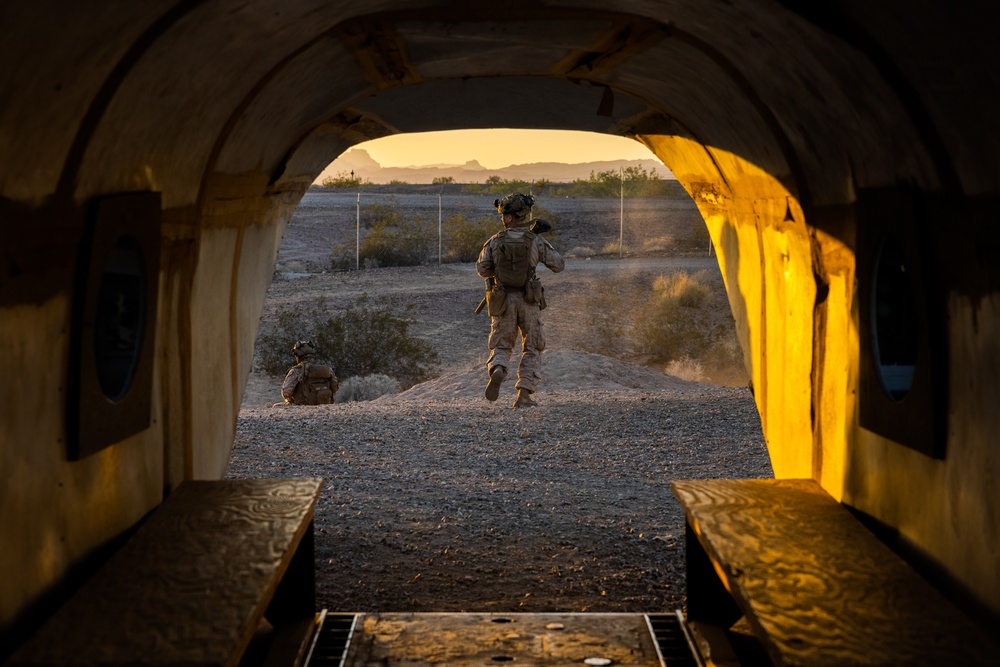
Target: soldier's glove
x,y
539,226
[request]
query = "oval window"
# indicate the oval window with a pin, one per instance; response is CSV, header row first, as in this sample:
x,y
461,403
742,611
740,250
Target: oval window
x,y
896,325
119,318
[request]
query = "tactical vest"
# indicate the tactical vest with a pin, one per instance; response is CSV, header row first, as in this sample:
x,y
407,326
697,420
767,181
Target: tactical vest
x,y
316,386
512,258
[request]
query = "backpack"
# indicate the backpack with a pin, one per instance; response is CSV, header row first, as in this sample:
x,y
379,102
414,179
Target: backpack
x,y
512,258
317,386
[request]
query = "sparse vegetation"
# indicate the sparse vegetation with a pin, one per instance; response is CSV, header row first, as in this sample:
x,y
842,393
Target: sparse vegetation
x,y
464,236
497,185
581,251
393,239
673,324
390,239
678,323
615,248
658,244
687,369
367,338
343,180
366,388
635,180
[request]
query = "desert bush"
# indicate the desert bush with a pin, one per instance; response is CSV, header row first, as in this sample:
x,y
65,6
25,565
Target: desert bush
x,y
687,368
689,291
367,338
497,185
343,180
503,186
675,321
273,348
658,244
724,360
387,213
464,236
442,180
635,180
397,240
679,320
614,248
366,388
390,239
581,251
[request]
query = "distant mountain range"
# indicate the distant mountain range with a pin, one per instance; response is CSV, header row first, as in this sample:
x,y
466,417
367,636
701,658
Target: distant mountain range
x,y
363,166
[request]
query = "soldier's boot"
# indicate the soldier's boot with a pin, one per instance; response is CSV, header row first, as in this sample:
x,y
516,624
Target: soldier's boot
x,y
523,399
497,375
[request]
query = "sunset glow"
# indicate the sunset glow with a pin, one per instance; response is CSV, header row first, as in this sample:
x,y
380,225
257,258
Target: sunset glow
x,y
495,149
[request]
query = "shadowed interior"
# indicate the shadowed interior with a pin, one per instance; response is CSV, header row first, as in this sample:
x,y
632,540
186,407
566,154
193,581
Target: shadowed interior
x,y
807,137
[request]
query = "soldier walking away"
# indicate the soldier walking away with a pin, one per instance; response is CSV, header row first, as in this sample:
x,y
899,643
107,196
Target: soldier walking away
x,y
515,298
310,381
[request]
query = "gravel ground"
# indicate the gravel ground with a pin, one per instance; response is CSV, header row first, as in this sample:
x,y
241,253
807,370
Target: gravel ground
x,y
437,500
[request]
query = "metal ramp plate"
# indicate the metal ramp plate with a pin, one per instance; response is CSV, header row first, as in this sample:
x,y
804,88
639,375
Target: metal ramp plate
x,y
459,639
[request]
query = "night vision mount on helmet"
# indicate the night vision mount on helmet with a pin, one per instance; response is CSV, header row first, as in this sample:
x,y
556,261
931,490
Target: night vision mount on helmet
x,y
515,203
303,348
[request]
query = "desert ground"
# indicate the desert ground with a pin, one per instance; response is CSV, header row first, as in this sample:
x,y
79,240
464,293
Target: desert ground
x,y
436,499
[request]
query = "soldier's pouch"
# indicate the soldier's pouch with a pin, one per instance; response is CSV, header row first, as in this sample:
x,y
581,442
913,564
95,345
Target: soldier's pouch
x,y
534,293
496,302
324,396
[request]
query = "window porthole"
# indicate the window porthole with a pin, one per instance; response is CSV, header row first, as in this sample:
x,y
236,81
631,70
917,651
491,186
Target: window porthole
x,y
902,323
119,318
895,323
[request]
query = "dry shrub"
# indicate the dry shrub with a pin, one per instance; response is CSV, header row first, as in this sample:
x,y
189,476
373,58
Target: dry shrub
x,y
687,290
398,241
366,338
658,244
580,251
678,322
464,236
687,368
615,248
687,323
366,388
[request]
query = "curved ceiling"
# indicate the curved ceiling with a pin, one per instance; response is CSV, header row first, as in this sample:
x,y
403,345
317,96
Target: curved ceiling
x,y
164,94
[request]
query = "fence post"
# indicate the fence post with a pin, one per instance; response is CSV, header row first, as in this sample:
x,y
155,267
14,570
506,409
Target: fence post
x,y
357,235
621,214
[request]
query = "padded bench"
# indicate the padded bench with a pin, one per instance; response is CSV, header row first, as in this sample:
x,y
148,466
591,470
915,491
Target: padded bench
x,y
784,563
196,583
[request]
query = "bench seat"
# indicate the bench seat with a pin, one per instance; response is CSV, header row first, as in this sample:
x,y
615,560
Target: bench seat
x,y
814,586
192,585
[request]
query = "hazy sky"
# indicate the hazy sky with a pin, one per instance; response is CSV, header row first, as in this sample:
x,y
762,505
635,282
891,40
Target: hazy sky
x,y
495,149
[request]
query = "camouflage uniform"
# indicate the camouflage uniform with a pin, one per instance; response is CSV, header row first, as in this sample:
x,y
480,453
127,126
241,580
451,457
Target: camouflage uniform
x,y
519,316
292,380
293,389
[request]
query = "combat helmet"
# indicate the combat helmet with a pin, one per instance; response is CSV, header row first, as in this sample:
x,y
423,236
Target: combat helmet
x,y
303,349
516,204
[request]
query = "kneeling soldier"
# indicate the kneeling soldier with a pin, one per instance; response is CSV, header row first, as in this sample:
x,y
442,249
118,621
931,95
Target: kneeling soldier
x,y
310,381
